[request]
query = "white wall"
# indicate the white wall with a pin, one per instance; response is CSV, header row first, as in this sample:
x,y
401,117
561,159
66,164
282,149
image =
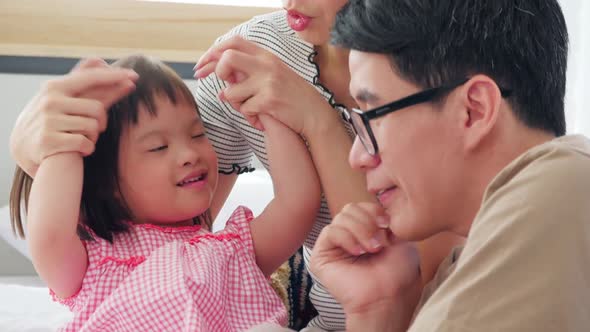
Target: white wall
x,y
15,91
576,14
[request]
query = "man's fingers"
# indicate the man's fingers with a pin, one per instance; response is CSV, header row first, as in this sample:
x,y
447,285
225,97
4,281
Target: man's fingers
x,y
94,62
108,95
88,127
66,142
77,82
340,237
60,109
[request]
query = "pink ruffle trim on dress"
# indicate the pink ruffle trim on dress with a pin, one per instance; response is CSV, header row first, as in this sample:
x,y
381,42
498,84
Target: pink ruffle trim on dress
x,y
219,237
131,262
68,301
164,229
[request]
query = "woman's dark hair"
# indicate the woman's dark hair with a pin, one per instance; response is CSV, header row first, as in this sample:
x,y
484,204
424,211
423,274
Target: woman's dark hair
x,y
521,44
102,210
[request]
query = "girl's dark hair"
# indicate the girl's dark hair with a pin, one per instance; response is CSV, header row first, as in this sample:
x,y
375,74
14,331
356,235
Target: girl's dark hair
x,y
104,212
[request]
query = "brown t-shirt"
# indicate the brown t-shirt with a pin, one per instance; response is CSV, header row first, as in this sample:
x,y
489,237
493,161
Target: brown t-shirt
x,y
526,263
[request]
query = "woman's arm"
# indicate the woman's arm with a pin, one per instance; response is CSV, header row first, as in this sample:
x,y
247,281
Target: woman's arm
x,y
58,254
262,84
284,224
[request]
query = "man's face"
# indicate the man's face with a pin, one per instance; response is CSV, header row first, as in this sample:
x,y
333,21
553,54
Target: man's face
x,y
417,174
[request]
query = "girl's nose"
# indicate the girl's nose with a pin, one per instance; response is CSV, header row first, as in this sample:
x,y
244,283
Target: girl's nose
x,y
188,156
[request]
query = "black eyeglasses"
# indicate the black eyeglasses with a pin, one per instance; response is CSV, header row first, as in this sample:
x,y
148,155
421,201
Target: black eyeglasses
x,y
360,120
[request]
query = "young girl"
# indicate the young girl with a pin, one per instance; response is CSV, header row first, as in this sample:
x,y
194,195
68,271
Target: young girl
x,y
123,238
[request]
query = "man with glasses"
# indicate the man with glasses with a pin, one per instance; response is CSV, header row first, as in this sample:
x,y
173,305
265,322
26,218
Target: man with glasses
x,y
462,129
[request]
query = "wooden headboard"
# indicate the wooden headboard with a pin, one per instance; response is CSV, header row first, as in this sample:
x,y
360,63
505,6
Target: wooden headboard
x,y
112,28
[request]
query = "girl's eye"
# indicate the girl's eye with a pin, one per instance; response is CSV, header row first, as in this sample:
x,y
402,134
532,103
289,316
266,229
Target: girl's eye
x,y
159,148
198,136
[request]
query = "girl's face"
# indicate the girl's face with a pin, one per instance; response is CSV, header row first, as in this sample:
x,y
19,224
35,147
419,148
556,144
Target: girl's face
x,y
167,167
312,20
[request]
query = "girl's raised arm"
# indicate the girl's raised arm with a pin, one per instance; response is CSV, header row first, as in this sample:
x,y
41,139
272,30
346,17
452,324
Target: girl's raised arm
x,y
58,254
284,224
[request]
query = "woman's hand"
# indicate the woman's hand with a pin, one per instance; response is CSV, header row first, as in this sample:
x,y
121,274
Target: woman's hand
x,y
359,261
68,113
259,82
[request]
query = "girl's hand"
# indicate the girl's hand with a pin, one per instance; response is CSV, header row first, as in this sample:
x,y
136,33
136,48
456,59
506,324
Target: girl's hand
x,y
360,262
259,82
69,113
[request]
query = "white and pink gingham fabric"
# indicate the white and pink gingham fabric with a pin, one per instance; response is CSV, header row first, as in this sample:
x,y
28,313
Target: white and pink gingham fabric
x,y
175,279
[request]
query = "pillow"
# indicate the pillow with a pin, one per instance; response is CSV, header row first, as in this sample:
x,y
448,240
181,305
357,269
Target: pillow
x,y
7,235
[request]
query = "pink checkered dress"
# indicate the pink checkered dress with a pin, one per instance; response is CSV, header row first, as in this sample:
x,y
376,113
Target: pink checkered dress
x,y
175,279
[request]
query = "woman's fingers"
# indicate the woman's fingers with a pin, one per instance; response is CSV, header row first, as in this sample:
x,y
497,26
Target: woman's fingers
x,y
234,43
239,93
233,62
206,69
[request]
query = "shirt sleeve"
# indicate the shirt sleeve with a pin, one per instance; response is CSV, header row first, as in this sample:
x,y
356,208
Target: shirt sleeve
x,y
526,264
234,155
226,128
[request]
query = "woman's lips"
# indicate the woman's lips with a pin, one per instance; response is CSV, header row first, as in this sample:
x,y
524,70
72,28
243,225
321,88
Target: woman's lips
x,y
297,21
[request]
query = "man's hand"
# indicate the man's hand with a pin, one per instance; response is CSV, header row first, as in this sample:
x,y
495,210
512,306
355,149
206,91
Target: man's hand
x,y
68,113
359,261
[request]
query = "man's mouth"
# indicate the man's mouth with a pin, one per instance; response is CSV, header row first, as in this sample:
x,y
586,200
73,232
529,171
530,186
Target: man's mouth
x,y
383,195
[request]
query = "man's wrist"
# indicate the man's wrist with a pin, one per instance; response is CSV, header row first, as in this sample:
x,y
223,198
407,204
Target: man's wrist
x,y
394,315
381,319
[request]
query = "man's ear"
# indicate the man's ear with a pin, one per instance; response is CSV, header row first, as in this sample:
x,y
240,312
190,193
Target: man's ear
x,y
481,99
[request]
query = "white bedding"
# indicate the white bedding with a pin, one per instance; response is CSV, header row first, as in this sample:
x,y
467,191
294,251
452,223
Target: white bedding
x,y
25,305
